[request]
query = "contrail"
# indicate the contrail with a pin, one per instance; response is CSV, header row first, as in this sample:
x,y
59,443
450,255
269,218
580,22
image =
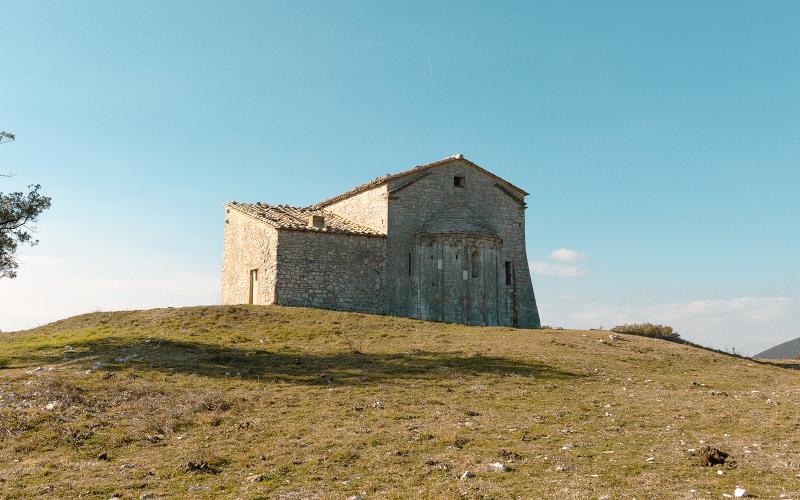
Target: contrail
x,y
430,70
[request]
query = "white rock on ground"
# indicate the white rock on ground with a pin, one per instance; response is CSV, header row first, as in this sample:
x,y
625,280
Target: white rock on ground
x,y
500,467
467,474
740,492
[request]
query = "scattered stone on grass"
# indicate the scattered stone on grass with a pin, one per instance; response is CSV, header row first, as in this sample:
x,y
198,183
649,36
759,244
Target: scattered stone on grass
x,y
255,478
510,455
378,404
201,467
740,492
467,475
499,467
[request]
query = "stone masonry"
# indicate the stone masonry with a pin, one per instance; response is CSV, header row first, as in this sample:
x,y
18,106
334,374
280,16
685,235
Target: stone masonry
x,y
444,241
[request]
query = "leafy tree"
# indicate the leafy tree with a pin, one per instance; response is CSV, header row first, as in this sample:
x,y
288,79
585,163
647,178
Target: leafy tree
x,y
18,214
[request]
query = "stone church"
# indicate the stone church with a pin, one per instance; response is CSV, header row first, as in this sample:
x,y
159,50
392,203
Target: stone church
x,y
444,241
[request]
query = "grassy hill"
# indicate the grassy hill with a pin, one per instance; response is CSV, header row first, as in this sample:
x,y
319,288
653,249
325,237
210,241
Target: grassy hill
x,y
256,401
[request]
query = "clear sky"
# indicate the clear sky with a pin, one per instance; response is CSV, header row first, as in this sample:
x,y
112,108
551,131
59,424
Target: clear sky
x,y
660,142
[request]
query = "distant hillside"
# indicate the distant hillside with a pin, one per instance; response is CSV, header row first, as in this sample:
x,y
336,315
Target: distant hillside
x,y
787,350
272,402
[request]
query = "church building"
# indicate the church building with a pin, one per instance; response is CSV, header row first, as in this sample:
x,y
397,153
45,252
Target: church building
x,y
444,241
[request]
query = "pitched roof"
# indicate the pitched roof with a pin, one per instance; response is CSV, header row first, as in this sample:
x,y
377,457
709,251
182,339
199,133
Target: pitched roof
x,y
418,169
296,219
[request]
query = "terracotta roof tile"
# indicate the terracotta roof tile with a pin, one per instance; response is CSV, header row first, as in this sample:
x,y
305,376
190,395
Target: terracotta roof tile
x,y
297,219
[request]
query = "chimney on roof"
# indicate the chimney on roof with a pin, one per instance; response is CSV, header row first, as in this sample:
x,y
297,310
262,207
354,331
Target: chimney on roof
x,y
317,221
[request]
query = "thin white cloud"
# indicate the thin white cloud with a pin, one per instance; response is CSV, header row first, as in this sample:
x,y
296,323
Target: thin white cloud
x,y
747,324
561,263
567,255
559,270
47,290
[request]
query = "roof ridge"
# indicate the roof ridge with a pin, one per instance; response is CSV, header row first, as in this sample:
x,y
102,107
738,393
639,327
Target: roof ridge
x,y
419,168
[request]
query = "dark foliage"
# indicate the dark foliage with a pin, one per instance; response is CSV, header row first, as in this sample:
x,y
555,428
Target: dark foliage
x,y
649,330
18,214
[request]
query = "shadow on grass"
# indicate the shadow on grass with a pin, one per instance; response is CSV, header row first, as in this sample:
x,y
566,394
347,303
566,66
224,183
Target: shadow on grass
x,y
190,357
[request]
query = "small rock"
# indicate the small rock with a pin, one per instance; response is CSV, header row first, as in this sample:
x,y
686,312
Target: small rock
x,y
467,474
198,487
500,467
362,496
155,438
720,472
102,456
255,478
740,492
561,468
614,337
347,482
127,466
771,402
87,372
147,495
51,405
378,404
649,459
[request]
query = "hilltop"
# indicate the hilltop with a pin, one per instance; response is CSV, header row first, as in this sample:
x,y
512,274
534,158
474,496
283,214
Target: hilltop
x,y
786,350
264,401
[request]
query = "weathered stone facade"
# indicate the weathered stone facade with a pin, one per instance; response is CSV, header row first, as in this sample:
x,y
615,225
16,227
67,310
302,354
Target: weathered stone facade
x,y
443,241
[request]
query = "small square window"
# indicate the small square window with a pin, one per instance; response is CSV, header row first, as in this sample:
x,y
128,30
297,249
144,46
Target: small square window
x,y
459,181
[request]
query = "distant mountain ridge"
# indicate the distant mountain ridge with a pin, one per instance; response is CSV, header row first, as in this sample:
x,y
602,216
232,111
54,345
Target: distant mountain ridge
x,y
787,350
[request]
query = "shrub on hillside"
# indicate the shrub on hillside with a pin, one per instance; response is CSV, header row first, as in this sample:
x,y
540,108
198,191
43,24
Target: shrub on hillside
x,y
649,330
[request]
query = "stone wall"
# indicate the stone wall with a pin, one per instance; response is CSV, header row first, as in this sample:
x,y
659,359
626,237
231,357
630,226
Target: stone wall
x,y
384,275
412,206
331,271
248,244
368,208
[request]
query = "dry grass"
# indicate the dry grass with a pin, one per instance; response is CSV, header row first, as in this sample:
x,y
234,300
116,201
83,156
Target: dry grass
x,y
255,401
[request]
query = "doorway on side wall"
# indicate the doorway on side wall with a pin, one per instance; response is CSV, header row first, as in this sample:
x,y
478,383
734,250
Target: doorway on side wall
x,y
253,283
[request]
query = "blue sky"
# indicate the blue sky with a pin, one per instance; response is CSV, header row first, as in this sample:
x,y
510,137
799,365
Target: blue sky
x,y
660,142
